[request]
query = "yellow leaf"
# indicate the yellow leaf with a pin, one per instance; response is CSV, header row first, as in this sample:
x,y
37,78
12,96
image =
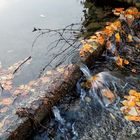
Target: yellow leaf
x,y
131,103
118,38
126,62
130,38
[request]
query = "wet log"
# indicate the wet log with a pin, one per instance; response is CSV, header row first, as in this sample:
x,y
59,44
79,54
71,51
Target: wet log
x,y
36,105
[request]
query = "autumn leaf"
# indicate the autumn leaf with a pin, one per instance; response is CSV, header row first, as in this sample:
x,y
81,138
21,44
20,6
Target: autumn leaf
x,y
131,106
118,38
119,61
130,38
6,101
119,9
100,39
109,95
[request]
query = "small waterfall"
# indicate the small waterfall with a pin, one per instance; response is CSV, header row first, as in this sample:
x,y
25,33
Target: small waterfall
x,y
57,115
103,86
85,70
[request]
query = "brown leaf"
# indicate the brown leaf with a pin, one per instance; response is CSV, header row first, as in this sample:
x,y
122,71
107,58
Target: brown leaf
x,y
6,101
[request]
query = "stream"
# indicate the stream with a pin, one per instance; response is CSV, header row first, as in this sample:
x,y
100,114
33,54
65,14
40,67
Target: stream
x,y
85,113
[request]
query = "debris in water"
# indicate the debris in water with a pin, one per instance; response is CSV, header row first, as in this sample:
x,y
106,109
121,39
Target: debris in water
x,y
43,16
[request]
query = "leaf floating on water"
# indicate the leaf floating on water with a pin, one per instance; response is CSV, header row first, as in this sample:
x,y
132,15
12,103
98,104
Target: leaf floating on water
x,y
126,62
109,95
121,62
6,101
43,16
117,11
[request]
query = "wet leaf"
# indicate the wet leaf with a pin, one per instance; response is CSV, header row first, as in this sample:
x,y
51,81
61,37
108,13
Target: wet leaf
x,y
126,62
119,61
131,108
109,95
134,70
118,38
6,101
133,112
130,38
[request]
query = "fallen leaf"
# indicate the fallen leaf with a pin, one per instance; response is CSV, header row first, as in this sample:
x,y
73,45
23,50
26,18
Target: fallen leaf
x,y
126,62
118,38
108,94
6,101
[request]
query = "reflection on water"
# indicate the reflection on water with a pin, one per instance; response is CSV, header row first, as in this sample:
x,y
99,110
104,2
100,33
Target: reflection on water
x,y
19,17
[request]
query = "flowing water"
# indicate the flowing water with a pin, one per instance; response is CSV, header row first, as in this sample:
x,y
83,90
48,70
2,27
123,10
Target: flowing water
x,y
90,110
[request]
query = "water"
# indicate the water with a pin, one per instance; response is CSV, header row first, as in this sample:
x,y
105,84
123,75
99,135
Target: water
x,y
96,113
84,114
19,17
90,111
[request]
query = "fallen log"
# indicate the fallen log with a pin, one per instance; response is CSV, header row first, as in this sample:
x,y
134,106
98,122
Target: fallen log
x,y
36,104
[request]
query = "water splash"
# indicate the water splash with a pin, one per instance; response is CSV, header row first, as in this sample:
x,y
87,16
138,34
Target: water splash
x,y
74,132
103,87
57,115
66,129
85,70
